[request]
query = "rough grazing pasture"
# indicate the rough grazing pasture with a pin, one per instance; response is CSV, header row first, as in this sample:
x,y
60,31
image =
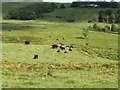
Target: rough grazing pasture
x,y
91,66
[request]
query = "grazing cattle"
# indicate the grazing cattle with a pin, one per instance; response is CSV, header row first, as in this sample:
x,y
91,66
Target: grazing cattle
x,y
67,46
89,21
86,43
27,42
65,52
9,30
70,49
56,39
71,46
86,51
61,43
54,46
58,50
49,36
62,48
63,38
35,57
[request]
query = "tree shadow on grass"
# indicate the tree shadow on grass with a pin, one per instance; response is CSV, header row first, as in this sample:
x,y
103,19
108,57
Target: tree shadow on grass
x,y
79,37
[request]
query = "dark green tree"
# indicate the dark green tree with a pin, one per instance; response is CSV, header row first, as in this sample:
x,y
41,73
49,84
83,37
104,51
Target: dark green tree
x,y
107,28
62,6
53,6
112,18
108,12
95,26
101,17
114,28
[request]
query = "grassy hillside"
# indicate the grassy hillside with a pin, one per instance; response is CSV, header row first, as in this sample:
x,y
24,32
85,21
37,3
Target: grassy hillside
x,y
92,63
70,69
80,13
9,6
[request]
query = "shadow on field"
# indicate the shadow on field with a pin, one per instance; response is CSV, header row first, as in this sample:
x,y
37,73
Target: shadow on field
x,y
79,37
22,39
12,26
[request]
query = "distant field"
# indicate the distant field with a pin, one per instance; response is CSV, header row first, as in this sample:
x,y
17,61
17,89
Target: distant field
x,y
89,66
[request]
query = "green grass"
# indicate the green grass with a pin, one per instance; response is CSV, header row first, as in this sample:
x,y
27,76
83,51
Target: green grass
x,y
92,66
81,14
77,69
59,78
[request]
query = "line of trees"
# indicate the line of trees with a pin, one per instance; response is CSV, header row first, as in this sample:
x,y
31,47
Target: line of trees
x,y
32,12
109,16
95,4
106,28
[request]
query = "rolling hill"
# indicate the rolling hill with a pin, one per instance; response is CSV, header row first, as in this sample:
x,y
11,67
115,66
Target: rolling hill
x,y
81,14
91,63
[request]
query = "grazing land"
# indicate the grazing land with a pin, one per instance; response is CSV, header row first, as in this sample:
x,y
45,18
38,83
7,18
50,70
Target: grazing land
x,y
92,63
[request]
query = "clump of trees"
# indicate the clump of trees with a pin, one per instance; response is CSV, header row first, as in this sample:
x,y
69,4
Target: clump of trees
x,y
109,16
62,6
107,28
95,4
114,28
32,12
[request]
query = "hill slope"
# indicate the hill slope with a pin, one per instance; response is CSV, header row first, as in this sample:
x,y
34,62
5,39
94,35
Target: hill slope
x,y
53,69
80,13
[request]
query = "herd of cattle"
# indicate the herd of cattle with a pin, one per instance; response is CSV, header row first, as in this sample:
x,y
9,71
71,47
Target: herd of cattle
x,y
59,47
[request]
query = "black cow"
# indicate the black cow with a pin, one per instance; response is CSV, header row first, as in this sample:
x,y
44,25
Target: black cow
x,y
89,21
65,52
71,46
35,57
56,39
86,44
27,42
62,48
54,46
58,50
63,38
70,49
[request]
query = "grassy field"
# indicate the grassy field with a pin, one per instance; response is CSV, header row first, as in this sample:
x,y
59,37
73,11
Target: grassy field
x,y
87,66
92,66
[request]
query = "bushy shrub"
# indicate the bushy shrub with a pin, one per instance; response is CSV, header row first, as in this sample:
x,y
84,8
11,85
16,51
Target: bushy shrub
x,y
96,27
62,6
114,28
107,28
